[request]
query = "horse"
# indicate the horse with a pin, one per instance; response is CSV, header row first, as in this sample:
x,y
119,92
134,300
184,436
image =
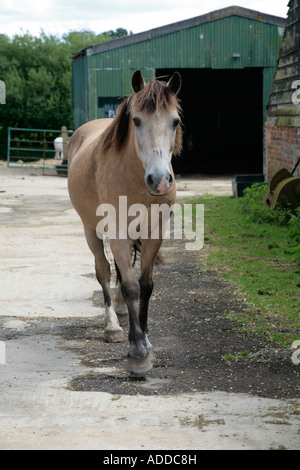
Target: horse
x,y
127,156
58,146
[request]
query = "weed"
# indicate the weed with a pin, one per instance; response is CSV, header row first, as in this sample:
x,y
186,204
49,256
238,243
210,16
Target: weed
x,y
294,225
237,356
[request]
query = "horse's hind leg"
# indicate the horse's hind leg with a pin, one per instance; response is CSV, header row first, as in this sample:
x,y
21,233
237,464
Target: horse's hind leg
x,y
113,333
119,302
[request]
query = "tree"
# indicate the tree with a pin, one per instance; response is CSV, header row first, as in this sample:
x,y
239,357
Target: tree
x,y
119,33
37,76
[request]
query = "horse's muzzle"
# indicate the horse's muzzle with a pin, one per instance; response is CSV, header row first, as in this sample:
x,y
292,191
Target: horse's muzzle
x,y
159,184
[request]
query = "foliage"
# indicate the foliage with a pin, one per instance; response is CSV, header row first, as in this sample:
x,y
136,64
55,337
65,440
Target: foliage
x,y
253,207
37,75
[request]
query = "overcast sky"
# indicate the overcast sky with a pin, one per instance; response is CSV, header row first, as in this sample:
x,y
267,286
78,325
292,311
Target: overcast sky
x,y
61,16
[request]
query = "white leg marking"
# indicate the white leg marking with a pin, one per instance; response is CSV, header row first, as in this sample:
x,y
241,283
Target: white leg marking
x,y
113,333
111,321
147,342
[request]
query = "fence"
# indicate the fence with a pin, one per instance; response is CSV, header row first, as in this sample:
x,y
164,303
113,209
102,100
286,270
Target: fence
x,y
36,148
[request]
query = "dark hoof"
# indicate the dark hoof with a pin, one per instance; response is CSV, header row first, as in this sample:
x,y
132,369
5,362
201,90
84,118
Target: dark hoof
x,y
139,367
113,335
123,319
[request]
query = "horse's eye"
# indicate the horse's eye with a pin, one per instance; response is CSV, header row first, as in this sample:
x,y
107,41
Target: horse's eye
x,y
137,121
176,121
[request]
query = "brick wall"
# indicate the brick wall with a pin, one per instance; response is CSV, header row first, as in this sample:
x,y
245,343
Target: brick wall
x,y
282,145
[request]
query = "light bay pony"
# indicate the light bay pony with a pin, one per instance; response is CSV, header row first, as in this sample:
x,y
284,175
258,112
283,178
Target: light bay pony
x,y
128,156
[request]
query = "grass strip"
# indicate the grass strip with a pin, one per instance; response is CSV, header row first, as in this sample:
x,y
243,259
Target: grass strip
x,y
258,259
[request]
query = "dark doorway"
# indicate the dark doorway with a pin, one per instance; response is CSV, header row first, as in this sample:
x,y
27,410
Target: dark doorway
x,y
223,120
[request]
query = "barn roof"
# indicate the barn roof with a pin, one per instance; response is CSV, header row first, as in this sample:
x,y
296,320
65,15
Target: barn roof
x,y
180,25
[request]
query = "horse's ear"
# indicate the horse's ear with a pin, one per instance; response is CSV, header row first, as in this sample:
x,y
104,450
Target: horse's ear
x,y
137,81
175,83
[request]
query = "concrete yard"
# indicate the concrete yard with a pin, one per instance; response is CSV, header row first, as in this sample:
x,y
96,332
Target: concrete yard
x,y
47,280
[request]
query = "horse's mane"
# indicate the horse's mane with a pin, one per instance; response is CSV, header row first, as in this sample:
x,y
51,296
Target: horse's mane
x,y
116,133
155,95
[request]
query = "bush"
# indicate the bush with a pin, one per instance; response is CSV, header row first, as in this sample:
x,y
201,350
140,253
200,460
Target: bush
x,y
253,207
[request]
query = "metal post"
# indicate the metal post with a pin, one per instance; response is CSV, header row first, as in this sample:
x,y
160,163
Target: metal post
x,y
65,142
44,151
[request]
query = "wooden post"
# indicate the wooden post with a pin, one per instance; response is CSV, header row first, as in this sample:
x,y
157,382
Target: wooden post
x,y
65,142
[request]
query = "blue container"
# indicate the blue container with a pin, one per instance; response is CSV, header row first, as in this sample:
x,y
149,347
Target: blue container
x,y
242,182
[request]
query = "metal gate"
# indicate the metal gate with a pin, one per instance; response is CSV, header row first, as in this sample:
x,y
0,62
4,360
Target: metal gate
x,y
37,148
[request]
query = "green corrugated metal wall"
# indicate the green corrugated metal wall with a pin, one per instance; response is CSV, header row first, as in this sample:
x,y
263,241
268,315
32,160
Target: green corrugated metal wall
x,y
80,91
208,45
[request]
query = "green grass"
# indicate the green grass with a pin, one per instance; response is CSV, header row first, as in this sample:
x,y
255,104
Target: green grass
x,y
258,259
237,356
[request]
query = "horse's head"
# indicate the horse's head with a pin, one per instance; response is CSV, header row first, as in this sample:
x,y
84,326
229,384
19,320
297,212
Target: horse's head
x,y
155,113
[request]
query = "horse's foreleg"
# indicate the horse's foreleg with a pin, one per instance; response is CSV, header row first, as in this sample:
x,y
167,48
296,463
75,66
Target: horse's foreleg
x,y
113,333
139,362
150,249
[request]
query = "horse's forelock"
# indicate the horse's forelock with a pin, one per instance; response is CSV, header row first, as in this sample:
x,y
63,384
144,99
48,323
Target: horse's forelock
x,y
155,95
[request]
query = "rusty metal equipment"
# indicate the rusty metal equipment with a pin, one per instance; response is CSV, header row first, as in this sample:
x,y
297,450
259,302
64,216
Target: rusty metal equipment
x,y
284,190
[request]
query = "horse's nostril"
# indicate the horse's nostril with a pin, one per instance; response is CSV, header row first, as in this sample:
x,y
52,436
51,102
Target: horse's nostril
x,y
150,180
170,180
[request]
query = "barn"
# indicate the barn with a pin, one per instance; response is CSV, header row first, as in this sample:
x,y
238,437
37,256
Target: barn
x,y
227,59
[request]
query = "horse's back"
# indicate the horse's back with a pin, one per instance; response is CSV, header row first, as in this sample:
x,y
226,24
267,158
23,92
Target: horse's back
x,y
82,159
85,134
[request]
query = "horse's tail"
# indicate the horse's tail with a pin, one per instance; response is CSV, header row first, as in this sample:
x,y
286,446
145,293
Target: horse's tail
x,y
160,259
